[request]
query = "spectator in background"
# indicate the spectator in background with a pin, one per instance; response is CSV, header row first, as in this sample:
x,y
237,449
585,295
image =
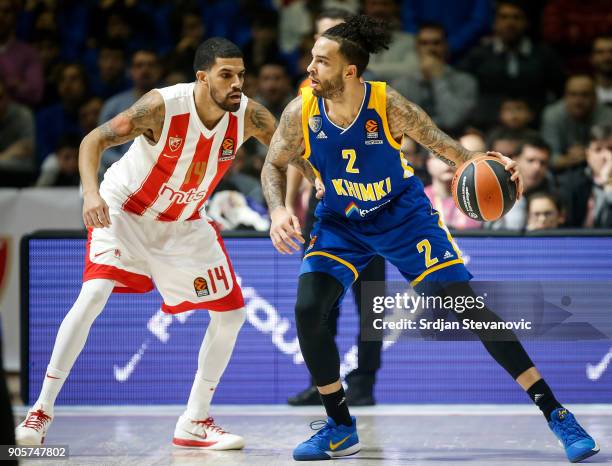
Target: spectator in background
x,y
515,117
325,20
61,168
512,65
62,117
189,34
465,21
571,26
447,95
65,18
507,142
145,73
20,65
16,135
89,114
47,45
601,61
566,123
274,89
263,47
587,192
176,77
110,77
121,20
294,24
545,211
401,57
439,193
533,161
473,141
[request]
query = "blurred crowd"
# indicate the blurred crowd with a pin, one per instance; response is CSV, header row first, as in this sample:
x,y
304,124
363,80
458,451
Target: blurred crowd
x,y
530,79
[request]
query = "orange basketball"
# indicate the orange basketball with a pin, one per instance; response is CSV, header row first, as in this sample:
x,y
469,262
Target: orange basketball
x,y
482,189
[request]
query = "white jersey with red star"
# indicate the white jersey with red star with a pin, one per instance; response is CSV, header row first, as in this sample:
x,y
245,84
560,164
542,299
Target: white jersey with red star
x,y
170,180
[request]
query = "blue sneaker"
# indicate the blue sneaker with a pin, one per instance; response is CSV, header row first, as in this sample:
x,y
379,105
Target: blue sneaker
x,y
331,441
577,443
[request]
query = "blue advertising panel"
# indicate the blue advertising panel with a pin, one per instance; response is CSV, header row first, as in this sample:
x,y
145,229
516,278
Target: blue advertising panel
x,y
136,354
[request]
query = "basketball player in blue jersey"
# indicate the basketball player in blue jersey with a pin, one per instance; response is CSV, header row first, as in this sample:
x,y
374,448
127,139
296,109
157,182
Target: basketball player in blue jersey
x,y
345,136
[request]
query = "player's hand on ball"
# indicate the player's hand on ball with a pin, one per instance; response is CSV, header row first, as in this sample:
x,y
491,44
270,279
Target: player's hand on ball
x,y
512,167
95,211
320,187
285,228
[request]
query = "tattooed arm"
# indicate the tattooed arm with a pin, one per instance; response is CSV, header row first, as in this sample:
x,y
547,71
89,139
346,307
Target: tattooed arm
x,y
408,119
259,123
145,117
286,148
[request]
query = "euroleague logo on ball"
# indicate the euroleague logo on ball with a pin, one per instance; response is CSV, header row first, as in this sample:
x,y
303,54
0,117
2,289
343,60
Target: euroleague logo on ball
x,y
483,190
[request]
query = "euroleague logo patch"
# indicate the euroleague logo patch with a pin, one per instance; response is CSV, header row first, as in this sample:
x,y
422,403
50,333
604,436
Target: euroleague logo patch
x,y
371,128
227,150
201,287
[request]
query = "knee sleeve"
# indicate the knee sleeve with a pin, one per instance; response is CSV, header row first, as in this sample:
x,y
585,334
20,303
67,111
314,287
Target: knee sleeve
x,y
317,294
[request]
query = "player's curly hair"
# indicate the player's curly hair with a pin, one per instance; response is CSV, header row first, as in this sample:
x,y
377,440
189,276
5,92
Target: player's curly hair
x,y
358,37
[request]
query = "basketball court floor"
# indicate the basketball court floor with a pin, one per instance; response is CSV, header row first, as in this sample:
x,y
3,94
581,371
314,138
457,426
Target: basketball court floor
x,y
428,435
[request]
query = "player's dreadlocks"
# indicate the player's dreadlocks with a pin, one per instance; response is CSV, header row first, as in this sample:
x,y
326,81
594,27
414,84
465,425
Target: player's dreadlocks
x,y
358,37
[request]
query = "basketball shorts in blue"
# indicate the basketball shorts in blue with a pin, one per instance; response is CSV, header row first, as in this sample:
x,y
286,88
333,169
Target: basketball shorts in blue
x,y
407,232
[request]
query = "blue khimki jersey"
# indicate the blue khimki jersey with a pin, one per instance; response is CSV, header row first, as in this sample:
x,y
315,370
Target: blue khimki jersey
x,y
373,203
361,165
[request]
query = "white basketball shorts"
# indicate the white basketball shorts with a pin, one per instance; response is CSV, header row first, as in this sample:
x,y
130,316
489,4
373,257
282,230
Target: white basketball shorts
x,y
186,261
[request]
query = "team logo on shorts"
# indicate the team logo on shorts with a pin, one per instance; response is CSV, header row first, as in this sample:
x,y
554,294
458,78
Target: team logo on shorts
x,y
315,123
201,287
371,127
227,150
312,242
175,143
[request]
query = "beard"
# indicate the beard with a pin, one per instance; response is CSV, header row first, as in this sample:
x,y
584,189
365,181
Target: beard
x,y
224,102
331,88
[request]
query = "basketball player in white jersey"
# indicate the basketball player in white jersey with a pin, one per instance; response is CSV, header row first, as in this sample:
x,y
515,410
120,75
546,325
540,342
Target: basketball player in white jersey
x,y
146,227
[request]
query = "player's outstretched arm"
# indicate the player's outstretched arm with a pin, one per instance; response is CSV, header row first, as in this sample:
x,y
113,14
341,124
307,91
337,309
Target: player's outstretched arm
x,y
408,119
146,117
259,123
286,147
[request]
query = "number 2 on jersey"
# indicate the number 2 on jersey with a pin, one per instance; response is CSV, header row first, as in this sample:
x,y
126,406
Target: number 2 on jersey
x,y
351,155
425,246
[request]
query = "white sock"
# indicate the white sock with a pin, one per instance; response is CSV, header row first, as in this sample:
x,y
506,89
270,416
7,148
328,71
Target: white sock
x,y
71,338
53,383
213,358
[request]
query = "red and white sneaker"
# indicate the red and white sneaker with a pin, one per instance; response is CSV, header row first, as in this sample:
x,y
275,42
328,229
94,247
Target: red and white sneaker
x,y
33,429
204,434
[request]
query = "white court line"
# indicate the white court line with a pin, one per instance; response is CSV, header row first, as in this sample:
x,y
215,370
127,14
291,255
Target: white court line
x,y
276,410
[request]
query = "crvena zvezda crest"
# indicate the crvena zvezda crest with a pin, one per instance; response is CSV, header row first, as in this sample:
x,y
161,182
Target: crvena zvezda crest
x,y
175,143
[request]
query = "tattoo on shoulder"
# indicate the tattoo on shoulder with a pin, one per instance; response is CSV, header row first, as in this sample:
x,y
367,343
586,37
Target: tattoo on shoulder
x,y
146,115
407,118
259,122
258,117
